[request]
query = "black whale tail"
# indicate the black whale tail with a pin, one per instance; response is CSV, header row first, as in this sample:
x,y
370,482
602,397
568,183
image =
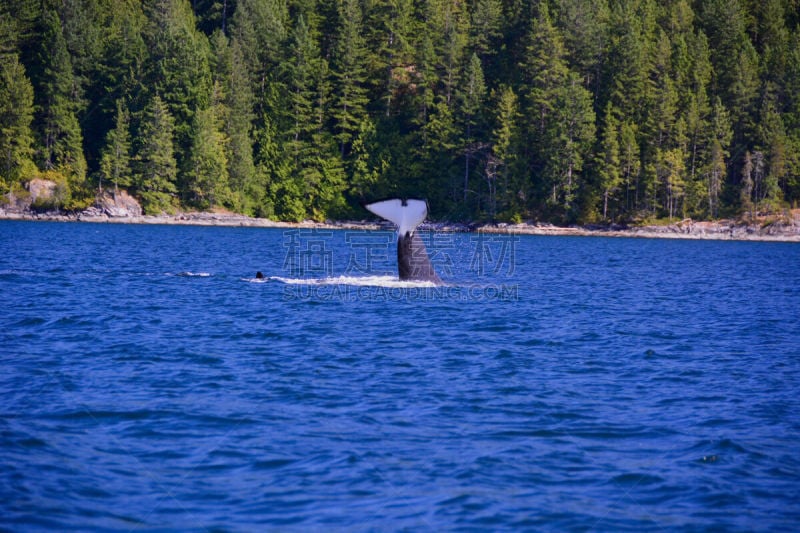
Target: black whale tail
x,y
413,262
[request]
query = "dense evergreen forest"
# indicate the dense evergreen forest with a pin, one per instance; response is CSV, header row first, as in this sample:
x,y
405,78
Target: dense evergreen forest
x,y
556,110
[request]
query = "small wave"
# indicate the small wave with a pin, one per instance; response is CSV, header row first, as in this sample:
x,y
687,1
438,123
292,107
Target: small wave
x,y
637,479
358,281
14,273
193,274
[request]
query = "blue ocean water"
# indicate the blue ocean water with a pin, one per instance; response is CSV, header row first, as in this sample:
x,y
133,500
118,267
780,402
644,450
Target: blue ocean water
x,y
148,381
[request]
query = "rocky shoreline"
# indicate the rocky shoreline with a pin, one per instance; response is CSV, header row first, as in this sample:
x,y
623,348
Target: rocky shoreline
x,y
786,229
119,207
184,219
782,230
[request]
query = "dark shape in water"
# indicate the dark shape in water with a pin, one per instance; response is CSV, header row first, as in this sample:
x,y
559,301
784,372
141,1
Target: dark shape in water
x,y
259,275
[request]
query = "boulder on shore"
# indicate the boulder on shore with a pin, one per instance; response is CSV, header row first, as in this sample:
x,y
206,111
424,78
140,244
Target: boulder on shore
x,y
41,198
38,194
111,204
118,204
41,189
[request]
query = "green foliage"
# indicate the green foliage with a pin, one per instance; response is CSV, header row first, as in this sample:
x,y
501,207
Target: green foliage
x,y
301,109
178,69
207,177
234,110
115,163
156,176
509,190
608,159
569,136
486,29
57,103
350,100
16,115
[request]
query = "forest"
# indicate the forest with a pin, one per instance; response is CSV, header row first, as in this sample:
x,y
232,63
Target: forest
x,y
566,111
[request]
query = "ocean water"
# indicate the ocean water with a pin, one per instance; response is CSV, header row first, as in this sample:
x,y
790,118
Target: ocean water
x,y
149,381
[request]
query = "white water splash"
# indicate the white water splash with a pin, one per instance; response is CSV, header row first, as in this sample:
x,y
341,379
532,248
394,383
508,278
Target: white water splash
x,y
357,281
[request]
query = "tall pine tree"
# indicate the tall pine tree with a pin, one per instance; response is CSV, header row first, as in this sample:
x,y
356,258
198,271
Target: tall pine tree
x,y
472,99
16,112
57,104
156,168
236,113
608,159
115,162
350,83
207,174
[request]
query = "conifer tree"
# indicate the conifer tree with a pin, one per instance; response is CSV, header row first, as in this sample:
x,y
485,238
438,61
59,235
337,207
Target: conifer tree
x,y
662,97
213,15
544,74
368,163
303,67
273,171
585,27
504,142
449,25
261,27
115,162
156,174
716,176
390,29
747,185
792,117
179,67
427,79
544,70
235,111
721,134
772,137
57,104
632,29
735,62
569,140
630,164
485,28
696,106
792,84
207,175
608,159
671,168
438,156
773,40
474,92
350,98
118,72
759,175
16,116
318,174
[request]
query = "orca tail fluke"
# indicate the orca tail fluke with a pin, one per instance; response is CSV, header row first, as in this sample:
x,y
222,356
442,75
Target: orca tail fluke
x,y
407,214
413,262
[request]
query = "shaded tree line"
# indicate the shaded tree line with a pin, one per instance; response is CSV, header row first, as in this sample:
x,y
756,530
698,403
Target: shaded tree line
x,y
559,110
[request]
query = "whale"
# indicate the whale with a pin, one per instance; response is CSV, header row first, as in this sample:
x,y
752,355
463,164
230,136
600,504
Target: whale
x,y
413,263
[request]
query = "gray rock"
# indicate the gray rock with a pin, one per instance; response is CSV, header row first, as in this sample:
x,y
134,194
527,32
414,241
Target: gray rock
x,y
115,205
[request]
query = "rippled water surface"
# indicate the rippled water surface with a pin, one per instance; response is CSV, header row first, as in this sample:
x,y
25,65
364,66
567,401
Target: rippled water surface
x,y
150,382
